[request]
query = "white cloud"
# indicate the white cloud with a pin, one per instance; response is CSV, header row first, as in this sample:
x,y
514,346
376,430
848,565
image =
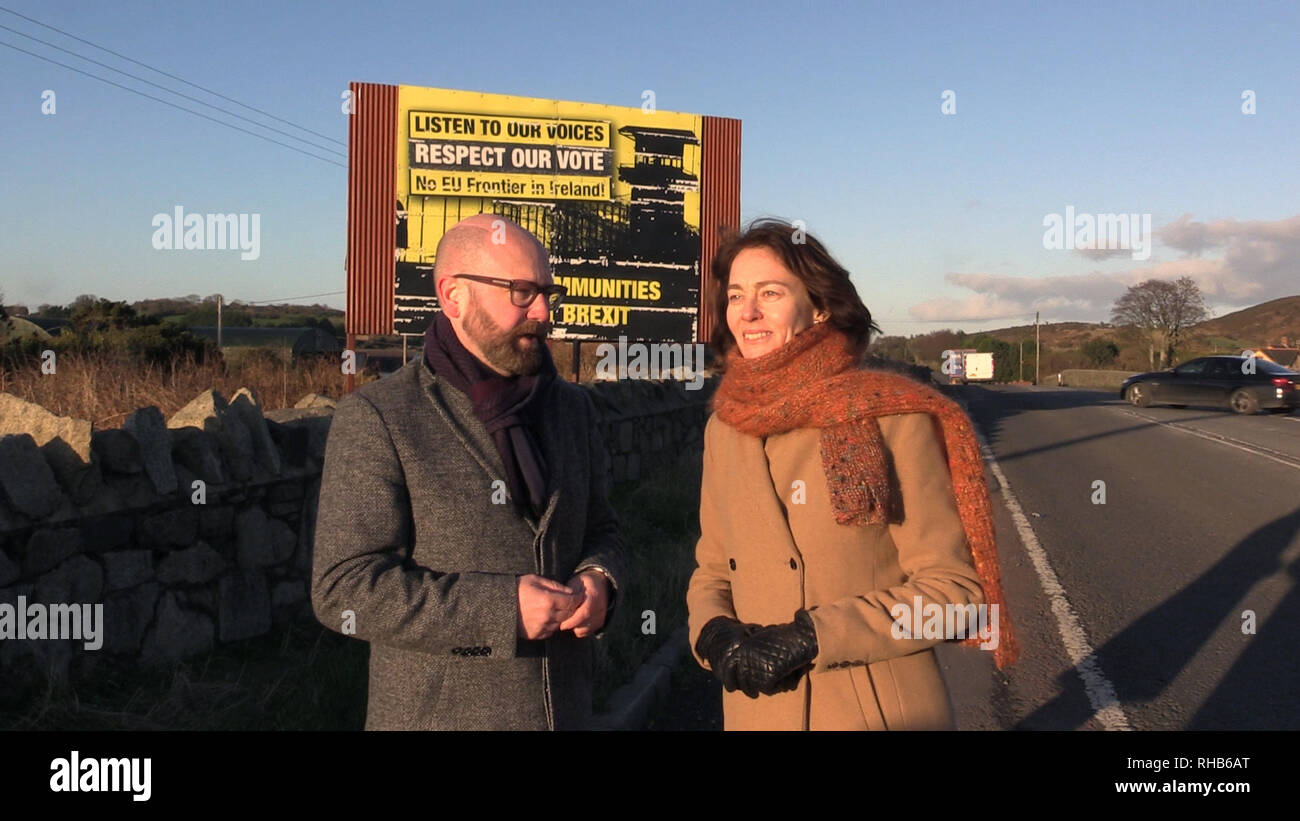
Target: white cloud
x,y
1252,262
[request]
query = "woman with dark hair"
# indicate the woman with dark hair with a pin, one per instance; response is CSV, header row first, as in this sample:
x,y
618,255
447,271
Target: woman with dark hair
x,y
835,502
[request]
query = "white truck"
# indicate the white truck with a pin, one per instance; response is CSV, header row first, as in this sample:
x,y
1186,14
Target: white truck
x,y
965,365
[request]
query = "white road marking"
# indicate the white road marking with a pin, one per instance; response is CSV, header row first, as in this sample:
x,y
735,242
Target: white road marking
x,y
1101,693
1256,450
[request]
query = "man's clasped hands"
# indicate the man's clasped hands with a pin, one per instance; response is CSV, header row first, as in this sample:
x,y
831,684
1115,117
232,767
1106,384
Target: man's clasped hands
x,y
547,607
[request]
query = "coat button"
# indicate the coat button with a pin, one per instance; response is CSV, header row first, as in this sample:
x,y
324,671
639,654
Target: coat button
x,y
794,565
732,562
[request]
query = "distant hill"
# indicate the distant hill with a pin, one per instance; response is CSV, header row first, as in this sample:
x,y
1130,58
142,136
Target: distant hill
x,y
1261,324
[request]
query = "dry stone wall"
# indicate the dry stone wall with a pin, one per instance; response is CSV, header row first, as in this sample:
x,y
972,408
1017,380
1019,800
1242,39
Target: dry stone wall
x,y
197,529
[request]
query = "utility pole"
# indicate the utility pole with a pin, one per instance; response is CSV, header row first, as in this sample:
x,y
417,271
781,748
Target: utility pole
x,y
218,321
1022,361
1036,348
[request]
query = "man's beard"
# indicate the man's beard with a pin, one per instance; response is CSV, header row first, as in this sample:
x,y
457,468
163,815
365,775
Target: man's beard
x,y
501,347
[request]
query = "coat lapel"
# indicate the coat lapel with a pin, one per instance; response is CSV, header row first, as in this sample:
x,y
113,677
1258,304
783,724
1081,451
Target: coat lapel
x,y
458,413
764,513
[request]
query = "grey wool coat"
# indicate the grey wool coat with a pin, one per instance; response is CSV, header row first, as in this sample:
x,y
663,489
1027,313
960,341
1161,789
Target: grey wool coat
x,y
412,539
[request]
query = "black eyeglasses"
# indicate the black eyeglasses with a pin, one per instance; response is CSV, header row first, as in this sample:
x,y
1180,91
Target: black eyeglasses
x,y
523,291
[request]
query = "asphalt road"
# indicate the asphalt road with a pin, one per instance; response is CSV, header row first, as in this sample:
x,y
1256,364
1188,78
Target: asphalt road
x,y
1133,614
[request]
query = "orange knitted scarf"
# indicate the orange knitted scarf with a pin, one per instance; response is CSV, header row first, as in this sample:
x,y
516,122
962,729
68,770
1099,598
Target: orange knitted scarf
x,y
814,382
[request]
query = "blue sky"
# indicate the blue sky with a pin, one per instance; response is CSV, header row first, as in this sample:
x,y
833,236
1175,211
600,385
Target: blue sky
x,y
1105,108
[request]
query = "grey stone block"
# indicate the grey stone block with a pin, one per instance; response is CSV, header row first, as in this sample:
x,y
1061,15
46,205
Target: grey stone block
x,y
185,484
210,412
198,453
121,491
116,450
127,616
64,441
315,400
254,538
9,570
27,479
283,540
216,522
127,568
199,599
47,548
292,442
149,429
244,606
194,565
288,598
85,487
176,632
249,411
170,529
10,520
77,580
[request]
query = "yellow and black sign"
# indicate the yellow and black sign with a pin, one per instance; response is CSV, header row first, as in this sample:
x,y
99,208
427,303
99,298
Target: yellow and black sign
x,y
461,155
612,192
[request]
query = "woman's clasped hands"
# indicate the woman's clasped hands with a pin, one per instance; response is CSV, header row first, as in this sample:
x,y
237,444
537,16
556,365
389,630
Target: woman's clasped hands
x,y
755,659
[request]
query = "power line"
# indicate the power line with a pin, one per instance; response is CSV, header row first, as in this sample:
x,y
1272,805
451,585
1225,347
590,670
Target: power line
x,y
173,105
177,93
287,298
172,76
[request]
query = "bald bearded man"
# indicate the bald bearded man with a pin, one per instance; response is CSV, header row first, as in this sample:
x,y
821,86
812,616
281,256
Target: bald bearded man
x,y
464,525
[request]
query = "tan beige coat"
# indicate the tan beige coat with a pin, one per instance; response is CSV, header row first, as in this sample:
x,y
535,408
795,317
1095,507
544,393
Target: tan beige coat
x,y
770,546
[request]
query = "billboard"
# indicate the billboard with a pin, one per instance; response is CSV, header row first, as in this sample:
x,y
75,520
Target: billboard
x,y
614,193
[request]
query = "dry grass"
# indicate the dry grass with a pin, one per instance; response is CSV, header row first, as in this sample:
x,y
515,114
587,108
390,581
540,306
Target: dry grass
x,y
298,677
106,387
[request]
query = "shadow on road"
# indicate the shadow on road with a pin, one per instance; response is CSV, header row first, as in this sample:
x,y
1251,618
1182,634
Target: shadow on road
x,y
1259,690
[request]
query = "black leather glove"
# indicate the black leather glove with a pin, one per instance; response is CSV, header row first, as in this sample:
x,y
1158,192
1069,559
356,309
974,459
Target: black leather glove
x,y
772,659
718,642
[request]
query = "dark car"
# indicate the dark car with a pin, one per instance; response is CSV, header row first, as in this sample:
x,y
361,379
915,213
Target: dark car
x,y
1218,380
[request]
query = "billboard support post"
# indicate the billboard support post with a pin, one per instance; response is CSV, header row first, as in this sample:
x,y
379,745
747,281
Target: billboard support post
x,y
349,383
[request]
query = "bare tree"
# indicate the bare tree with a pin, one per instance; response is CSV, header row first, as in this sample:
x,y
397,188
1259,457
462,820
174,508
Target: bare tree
x,y
1164,309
